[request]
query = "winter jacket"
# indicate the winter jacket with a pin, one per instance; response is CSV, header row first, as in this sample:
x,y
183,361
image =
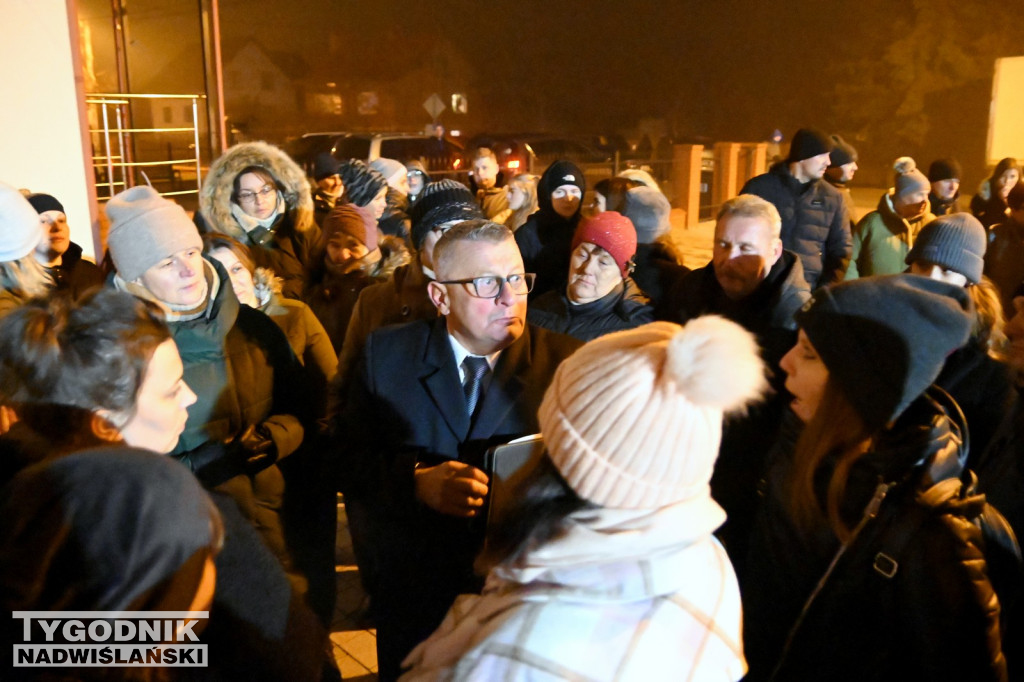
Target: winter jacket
x,y
333,295
1004,260
882,240
988,207
596,605
658,268
494,203
75,275
815,225
909,598
401,298
939,207
395,219
613,312
246,378
322,205
293,241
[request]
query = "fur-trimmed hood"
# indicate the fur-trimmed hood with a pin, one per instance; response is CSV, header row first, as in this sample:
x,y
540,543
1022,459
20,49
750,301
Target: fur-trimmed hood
x,y
215,195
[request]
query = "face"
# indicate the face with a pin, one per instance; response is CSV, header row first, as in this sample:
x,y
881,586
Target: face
x,y
379,203
331,185
56,234
516,196
566,200
485,172
241,278
1007,180
341,250
161,407
415,180
482,325
400,182
813,168
911,206
592,273
743,254
806,376
178,279
256,196
946,189
597,204
849,170
920,267
1014,331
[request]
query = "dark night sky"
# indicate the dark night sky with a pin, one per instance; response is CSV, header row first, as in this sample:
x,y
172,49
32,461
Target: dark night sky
x,y
896,78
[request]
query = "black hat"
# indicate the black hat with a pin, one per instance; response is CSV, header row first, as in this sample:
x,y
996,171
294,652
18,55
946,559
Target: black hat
x,y
944,169
45,202
362,183
324,166
441,202
808,143
955,242
885,339
842,152
554,176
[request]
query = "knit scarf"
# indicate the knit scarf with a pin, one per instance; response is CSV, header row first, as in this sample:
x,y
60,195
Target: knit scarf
x,y
258,230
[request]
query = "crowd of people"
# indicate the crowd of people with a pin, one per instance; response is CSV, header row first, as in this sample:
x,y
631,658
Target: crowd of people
x,y
801,459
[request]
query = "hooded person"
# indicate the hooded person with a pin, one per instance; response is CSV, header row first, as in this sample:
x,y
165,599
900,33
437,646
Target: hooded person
x,y
61,257
418,179
22,276
658,263
989,204
606,567
883,238
251,409
545,240
600,296
866,560
403,296
944,174
354,257
256,194
395,219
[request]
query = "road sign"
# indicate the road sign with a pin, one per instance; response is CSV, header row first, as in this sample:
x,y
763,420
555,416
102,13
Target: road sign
x,y
434,106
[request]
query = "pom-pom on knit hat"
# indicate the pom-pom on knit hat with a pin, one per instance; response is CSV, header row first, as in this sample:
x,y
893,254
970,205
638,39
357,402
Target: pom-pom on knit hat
x,y
145,228
909,178
20,231
633,419
955,242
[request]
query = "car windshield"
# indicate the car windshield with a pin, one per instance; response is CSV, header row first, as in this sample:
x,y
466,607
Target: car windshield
x,y
352,148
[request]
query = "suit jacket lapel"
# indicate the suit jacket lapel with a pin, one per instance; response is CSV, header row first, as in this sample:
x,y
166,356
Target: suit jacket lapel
x,y
505,386
440,378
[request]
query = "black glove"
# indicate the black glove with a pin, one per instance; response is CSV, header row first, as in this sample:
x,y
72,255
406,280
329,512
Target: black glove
x,y
256,449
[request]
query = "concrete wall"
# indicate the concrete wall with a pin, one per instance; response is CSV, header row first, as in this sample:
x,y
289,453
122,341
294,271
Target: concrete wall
x,y
42,143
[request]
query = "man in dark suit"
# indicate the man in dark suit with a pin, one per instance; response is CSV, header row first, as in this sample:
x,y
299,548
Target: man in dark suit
x,y
424,403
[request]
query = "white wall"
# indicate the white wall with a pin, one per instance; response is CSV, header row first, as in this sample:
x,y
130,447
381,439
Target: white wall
x,y
41,136
1005,132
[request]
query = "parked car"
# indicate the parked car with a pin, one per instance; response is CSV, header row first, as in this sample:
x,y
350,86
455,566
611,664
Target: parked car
x,y
438,156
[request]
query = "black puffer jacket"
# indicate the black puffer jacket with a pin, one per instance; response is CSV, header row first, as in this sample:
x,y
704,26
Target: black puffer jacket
x,y
909,599
614,312
815,224
75,275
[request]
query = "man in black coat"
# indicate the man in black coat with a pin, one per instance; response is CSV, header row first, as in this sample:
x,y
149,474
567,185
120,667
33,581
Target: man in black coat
x,y
815,222
754,282
425,402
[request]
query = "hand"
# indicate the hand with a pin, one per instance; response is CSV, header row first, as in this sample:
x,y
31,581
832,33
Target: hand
x,y
256,449
452,488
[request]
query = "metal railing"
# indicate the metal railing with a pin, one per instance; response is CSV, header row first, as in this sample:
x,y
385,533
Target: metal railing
x,y
121,149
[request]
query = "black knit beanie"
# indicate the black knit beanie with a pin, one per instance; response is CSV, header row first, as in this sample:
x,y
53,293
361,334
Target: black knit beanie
x,y
324,166
557,174
362,183
842,152
808,142
441,202
944,169
45,202
955,242
885,339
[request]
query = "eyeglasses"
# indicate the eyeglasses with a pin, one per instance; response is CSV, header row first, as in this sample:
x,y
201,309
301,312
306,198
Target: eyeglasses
x,y
490,286
249,197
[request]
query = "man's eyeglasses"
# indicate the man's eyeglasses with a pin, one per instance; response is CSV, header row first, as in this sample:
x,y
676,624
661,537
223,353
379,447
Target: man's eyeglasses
x,y
248,197
490,286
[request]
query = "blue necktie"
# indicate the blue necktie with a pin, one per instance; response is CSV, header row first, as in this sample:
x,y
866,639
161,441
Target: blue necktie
x,y
475,369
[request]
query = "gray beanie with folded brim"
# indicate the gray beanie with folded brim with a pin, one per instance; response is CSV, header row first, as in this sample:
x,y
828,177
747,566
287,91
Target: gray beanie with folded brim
x,y
954,242
20,230
145,228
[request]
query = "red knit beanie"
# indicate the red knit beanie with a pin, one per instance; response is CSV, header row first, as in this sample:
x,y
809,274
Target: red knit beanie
x,y
614,233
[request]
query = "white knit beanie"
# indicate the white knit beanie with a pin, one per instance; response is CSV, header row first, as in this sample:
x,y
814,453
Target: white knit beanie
x,y
633,420
145,228
20,230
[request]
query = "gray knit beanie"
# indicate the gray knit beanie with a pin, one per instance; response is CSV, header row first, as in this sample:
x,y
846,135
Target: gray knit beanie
x,y
909,178
145,228
20,231
649,210
389,168
955,242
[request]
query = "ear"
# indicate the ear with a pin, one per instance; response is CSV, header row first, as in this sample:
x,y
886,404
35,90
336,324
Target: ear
x,y
439,297
776,250
103,428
